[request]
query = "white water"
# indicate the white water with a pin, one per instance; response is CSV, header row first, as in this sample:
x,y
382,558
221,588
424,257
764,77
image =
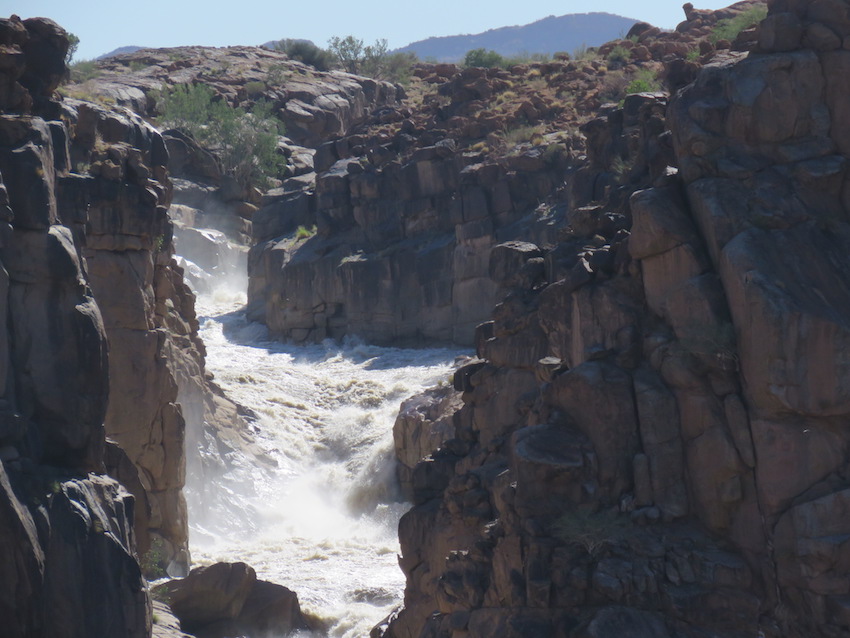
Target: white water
x,y
326,524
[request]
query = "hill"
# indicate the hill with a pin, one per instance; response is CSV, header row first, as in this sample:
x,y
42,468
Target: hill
x,y
119,51
551,34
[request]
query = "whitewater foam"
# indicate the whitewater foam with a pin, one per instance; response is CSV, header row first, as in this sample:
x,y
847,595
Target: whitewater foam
x,y
326,519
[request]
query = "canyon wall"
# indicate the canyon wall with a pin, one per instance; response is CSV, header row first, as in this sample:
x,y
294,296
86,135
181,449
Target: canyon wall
x,y
402,223
69,566
654,441
390,238
101,367
401,240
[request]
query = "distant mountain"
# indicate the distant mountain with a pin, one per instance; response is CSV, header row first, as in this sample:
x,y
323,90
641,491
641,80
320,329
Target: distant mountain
x,y
549,35
119,51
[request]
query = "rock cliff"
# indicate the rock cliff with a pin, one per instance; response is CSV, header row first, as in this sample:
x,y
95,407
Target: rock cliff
x,y
100,364
69,563
389,236
654,441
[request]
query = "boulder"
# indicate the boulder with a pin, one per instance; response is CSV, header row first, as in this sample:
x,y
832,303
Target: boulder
x,y
424,424
507,260
226,600
45,50
85,572
209,594
553,466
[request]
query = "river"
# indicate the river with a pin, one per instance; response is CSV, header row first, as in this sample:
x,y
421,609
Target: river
x,y
325,522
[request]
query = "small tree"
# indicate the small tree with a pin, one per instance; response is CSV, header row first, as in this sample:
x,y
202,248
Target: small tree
x,y
73,44
348,52
483,58
374,58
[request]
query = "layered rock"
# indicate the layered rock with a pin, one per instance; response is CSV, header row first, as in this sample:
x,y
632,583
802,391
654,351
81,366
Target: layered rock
x,y
402,214
779,251
314,105
117,194
401,248
118,190
89,275
654,442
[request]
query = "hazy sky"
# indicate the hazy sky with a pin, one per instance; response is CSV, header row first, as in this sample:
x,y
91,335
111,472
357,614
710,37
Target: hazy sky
x,y
104,26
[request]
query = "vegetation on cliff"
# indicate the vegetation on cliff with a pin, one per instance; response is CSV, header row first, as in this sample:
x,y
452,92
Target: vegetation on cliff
x,y
246,142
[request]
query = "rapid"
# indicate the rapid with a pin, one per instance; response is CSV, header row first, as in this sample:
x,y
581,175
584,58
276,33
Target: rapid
x,y
324,522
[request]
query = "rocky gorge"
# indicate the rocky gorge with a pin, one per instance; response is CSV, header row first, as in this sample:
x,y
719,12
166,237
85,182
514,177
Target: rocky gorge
x,y
652,438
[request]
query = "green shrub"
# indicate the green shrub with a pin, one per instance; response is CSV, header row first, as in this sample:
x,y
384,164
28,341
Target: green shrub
x,y
522,134
84,70
730,28
645,81
189,107
246,142
619,55
374,57
348,52
373,60
483,58
73,45
398,67
254,89
524,57
554,152
613,87
583,53
306,52
303,232
137,65
153,560
622,168
394,67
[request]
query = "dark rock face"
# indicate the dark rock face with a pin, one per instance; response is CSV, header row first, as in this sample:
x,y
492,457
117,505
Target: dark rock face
x,y
401,251
655,444
69,565
119,210
98,338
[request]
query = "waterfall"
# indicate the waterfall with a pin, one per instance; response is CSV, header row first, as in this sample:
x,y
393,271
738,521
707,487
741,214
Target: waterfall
x,y
324,523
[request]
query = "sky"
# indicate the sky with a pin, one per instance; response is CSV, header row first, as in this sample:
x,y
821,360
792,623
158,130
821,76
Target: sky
x,y
105,26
